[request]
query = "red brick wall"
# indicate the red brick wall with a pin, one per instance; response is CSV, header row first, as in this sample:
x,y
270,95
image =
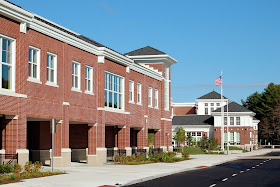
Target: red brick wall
x,y
46,102
183,110
78,136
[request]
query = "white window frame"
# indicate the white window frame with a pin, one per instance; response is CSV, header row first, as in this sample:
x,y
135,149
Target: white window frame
x,y
12,65
89,78
231,122
76,87
156,98
238,120
150,97
38,63
139,93
54,83
118,92
131,91
206,111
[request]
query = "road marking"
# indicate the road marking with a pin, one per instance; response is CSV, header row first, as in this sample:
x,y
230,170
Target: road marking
x,y
241,171
212,185
270,159
261,163
248,169
234,175
225,179
257,165
264,161
253,167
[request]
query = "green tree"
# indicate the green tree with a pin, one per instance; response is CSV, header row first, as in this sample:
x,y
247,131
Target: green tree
x,y
180,136
189,139
266,105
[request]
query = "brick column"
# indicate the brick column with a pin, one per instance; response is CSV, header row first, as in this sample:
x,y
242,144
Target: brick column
x,y
124,140
157,139
23,152
92,139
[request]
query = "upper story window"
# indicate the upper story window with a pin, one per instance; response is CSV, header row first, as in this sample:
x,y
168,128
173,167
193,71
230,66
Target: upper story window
x,y
7,60
212,107
206,108
156,98
231,120
150,97
218,104
34,63
88,79
139,93
51,68
113,91
237,120
225,121
76,75
131,91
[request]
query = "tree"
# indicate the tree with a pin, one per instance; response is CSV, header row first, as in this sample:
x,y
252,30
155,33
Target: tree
x,y
266,105
180,136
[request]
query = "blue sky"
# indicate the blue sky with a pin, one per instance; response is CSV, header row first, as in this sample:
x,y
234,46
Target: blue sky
x,y
239,37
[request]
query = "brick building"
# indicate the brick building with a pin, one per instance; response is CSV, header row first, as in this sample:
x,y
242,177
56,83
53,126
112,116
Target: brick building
x,y
100,99
241,127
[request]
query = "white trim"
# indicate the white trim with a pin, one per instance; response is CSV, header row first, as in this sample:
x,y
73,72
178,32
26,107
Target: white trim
x,y
30,79
183,104
108,109
11,116
55,69
76,90
66,103
101,59
11,93
78,87
52,84
23,27
101,149
88,92
38,51
100,108
165,119
66,150
145,116
155,58
22,151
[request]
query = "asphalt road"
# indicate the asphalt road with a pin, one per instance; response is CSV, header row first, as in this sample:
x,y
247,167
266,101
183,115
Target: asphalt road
x,y
249,172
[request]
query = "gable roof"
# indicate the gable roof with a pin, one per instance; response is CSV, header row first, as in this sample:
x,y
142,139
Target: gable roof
x,y
193,120
145,51
233,107
212,95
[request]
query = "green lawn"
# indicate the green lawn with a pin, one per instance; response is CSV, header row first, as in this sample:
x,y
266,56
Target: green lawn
x,y
193,150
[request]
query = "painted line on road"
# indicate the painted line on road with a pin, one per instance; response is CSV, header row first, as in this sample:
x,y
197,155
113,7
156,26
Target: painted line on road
x,y
253,167
261,163
247,169
225,179
257,165
241,171
212,185
234,175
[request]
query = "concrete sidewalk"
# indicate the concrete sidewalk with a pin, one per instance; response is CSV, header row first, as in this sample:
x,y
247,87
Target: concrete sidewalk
x,y
118,175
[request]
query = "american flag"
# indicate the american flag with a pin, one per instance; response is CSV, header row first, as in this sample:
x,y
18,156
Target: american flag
x,y
218,81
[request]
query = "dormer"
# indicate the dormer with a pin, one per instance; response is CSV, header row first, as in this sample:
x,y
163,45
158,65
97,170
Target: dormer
x,y
210,102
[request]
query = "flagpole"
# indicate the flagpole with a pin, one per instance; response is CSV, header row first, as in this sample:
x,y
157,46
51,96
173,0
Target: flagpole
x,y
227,130
222,116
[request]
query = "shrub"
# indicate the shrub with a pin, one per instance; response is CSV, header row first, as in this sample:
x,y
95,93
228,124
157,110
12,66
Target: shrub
x,y
123,159
185,155
37,166
28,167
140,158
117,159
17,168
13,177
6,168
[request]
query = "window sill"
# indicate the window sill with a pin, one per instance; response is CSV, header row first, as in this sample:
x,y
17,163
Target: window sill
x,y
89,93
166,110
150,106
157,108
139,104
131,102
76,90
34,80
52,84
11,93
108,109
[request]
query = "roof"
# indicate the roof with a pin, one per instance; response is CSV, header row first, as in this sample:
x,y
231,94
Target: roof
x,y
145,51
212,95
193,120
234,107
254,118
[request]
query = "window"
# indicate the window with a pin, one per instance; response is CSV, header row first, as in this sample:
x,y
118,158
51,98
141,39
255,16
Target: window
x,y
113,91
188,133
156,98
88,79
34,63
198,134
206,108
166,88
231,120
225,120
51,68
139,93
7,60
193,134
218,104
225,137
212,107
237,120
237,138
231,141
76,75
150,97
131,91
